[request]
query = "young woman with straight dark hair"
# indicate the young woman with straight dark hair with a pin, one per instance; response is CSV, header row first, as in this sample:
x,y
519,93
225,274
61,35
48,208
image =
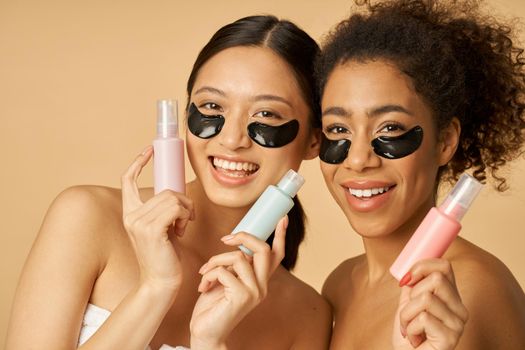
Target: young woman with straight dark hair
x,y
126,269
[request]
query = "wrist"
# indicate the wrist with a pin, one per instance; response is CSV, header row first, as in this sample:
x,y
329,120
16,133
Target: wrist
x,y
202,344
161,294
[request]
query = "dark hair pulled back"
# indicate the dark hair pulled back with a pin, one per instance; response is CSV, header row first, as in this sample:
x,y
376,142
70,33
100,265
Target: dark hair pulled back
x,y
297,49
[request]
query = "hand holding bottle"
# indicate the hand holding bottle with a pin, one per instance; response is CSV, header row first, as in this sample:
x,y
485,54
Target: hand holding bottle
x,y
232,285
431,314
151,227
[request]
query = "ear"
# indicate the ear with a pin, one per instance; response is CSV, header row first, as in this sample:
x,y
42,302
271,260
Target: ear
x,y
313,144
449,141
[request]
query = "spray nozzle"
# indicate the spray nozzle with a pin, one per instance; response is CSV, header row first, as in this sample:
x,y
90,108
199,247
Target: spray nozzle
x,y
461,197
291,182
167,119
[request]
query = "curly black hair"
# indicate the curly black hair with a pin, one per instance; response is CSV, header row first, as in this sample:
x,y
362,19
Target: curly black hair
x,y
464,64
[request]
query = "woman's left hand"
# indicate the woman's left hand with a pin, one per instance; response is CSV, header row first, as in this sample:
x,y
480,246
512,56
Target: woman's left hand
x,y
431,314
232,285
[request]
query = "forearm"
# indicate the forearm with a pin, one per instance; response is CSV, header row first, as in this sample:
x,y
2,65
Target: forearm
x,y
134,322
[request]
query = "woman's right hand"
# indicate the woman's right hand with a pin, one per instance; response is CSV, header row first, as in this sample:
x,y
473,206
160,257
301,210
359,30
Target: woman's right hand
x,y
151,227
431,315
232,285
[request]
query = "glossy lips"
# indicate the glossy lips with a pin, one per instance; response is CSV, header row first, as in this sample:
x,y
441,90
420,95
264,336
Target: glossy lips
x,y
204,126
390,147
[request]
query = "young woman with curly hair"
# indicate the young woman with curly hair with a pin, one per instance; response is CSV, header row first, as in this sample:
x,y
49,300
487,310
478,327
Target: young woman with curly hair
x,y
446,84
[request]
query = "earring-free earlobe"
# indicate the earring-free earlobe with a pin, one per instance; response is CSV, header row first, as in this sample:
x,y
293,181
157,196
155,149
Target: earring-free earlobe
x,y
449,141
314,144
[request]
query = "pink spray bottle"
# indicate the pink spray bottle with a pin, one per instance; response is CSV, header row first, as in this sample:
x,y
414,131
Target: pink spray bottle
x,y
168,150
439,228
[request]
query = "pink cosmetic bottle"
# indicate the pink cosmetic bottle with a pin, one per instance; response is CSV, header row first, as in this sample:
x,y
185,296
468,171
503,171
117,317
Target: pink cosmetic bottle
x,y
439,228
168,150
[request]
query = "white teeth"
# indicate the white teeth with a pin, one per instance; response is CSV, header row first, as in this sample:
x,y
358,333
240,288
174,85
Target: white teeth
x,y
369,192
237,166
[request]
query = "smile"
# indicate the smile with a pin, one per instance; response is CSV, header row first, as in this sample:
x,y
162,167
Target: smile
x,y
369,192
233,168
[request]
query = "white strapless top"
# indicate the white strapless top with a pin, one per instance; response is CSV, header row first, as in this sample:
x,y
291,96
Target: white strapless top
x,y
94,317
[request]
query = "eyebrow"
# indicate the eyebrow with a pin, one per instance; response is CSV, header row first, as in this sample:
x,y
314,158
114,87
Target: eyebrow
x,y
268,97
341,112
265,97
337,111
210,89
388,109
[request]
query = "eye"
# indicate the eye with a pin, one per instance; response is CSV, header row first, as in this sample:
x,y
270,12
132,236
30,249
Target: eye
x,y
392,128
212,106
267,115
336,129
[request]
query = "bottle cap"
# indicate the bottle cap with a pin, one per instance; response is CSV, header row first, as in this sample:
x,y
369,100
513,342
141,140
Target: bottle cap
x,y
461,197
291,182
167,119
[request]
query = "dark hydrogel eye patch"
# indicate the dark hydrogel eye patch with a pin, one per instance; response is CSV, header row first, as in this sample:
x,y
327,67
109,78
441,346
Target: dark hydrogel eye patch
x,y
395,147
333,151
273,136
390,147
202,125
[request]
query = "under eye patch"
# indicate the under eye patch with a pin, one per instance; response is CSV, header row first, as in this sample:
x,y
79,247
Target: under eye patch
x,y
202,125
395,147
333,151
390,147
273,136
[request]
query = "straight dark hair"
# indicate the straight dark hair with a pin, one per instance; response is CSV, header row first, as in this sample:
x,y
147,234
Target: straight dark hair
x,y
296,48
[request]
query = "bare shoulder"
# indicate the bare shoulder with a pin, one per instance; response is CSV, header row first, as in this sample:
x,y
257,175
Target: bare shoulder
x,y
88,199
65,261
338,282
493,297
83,213
304,307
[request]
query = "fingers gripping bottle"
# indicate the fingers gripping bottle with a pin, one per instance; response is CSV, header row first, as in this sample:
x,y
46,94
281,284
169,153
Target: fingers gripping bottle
x,y
274,203
439,228
168,150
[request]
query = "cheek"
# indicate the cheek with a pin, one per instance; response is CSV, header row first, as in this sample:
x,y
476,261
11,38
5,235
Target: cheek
x,y
194,147
328,171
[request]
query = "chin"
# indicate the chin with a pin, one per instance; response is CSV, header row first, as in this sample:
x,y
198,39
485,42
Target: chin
x,y
231,199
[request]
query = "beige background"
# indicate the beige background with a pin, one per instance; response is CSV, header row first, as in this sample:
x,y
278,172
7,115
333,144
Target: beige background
x,y
78,84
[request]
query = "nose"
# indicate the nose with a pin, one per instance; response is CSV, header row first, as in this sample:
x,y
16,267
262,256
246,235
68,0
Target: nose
x,y
234,134
361,155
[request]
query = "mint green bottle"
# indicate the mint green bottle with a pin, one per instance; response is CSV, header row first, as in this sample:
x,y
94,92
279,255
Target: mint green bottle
x,y
275,202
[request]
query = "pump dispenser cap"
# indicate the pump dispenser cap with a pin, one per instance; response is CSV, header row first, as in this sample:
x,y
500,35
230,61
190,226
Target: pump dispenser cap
x,y
291,183
461,197
167,119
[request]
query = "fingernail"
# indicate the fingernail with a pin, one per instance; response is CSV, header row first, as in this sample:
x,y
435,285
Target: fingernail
x,y
403,333
406,279
146,150
203,268
227,238
286,222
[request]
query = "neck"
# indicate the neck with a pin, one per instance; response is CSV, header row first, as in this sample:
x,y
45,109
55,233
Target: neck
x,y
211,222
382,251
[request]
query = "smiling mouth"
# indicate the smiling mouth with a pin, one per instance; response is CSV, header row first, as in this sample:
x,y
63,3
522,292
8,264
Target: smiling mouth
x,y
234,169
369,192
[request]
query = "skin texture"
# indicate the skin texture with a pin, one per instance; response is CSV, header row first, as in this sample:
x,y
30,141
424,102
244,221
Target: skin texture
x,y
143,256
370,310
